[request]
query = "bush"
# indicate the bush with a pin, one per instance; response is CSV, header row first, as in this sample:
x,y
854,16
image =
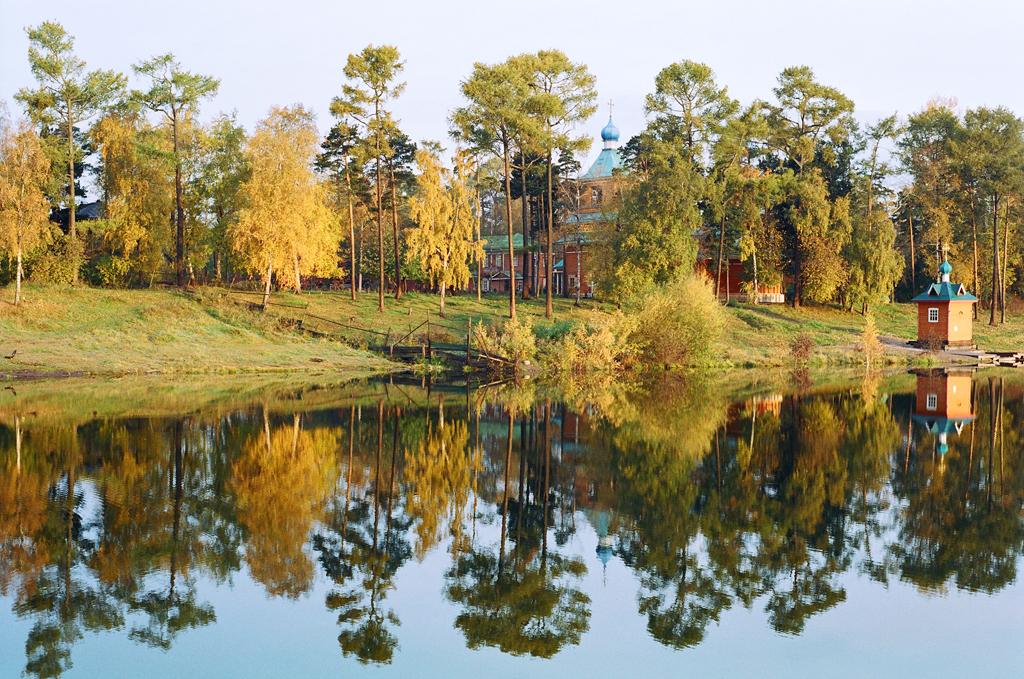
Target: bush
x,y
592,349
678,325
57,262
516,340
802,347
869,343
557,330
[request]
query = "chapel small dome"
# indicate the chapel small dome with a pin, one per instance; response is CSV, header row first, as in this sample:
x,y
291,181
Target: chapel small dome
x,y
610,132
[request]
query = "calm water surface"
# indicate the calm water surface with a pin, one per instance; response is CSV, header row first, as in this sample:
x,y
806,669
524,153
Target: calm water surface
x,y
404,530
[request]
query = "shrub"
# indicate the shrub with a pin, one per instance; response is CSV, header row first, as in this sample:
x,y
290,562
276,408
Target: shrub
x,y
592,349
869,343
678,325
515,341
56,263
557,330
802,347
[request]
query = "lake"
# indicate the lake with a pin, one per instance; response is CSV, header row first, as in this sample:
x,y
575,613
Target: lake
x,y
400,528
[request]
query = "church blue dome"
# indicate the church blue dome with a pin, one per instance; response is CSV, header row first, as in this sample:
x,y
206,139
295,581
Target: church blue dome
x,y
946,268
610,132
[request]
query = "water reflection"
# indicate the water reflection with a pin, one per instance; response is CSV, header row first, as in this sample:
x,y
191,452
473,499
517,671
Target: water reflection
x,y
713,503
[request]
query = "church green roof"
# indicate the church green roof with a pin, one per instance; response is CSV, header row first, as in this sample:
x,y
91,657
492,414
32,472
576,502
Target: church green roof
x,y
945,292
500,243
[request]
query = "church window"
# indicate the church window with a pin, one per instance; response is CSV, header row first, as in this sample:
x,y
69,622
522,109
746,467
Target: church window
x,y
933,315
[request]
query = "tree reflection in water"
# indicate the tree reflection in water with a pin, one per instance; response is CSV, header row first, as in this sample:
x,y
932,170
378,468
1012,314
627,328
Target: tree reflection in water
x,y
765,502
526,602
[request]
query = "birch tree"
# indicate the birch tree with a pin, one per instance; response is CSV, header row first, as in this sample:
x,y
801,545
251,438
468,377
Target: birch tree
x,y
286,223
444,209
135,176
24,210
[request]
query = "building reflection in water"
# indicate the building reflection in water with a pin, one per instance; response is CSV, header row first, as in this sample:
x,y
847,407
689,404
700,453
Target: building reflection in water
x,y
943,403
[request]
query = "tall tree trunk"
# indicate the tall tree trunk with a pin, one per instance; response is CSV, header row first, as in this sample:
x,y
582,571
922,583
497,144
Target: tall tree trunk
x,y
526,230
995,259
380,223
579,266
721,253
728,282
266,287
757,292
913,265
298,278
796,275
1006,260
548,306
17,287
479,235
351,230
511,250
394,222
441,313
72,228
974,235
179,206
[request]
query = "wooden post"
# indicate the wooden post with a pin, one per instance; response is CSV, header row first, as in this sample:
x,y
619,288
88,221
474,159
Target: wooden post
x,y
469,342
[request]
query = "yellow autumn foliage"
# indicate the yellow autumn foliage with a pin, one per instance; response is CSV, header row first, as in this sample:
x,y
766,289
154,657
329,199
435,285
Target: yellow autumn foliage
x,y
283,481
286,224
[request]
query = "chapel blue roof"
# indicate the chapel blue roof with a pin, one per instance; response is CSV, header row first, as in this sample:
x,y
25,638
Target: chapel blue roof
x,y
606,163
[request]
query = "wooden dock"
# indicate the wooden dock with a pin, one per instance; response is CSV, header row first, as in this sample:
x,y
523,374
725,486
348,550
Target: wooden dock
x,y
1004,359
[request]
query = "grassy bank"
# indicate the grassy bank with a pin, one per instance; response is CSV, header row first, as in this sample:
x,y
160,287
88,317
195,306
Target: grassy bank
x,y
401,316
59,331
759,335
763,335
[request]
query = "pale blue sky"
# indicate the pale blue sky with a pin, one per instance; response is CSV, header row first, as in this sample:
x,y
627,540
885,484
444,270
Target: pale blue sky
x,y
887,55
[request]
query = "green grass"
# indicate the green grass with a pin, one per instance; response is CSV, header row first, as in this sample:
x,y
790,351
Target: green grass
x,y
401,316
59,330
762,335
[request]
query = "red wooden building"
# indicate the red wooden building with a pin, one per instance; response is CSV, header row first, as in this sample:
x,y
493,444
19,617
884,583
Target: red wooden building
x,y
945,313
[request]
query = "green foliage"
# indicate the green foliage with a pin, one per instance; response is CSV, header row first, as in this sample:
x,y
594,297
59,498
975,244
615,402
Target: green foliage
x,y
821,227
689,107
652,242
876,266
56,263
678,325
515,340
805,113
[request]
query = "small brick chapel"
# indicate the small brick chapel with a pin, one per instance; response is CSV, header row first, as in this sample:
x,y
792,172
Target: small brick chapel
x,y
945,314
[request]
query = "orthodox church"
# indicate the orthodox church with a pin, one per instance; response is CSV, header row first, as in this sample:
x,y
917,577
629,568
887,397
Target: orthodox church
x,y
597,190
